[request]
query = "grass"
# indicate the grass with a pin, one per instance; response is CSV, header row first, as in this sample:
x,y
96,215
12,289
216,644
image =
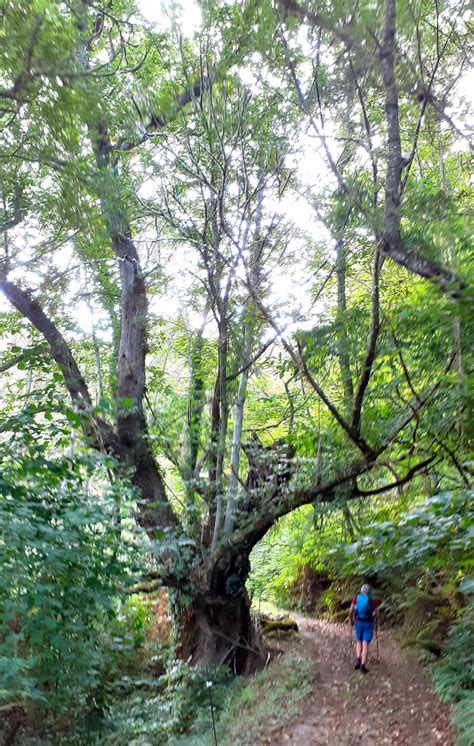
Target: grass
x,y
258,705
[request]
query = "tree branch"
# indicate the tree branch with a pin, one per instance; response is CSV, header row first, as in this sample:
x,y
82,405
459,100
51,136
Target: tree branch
x,y
321,21
392,244
60,351
99,433
348,428
343,342
371,346
16,359
248,534
399,482
155,509
157,121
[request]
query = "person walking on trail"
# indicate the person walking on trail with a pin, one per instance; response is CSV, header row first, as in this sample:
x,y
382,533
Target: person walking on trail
x,y
362,614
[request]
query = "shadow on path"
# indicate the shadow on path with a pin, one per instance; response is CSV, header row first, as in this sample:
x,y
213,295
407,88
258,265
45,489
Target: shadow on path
x,y
392,704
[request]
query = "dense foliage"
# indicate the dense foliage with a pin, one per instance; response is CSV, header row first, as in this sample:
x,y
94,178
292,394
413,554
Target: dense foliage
x,y
240,249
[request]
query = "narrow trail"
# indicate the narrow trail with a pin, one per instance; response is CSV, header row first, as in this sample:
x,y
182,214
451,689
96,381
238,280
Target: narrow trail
x,y
392,704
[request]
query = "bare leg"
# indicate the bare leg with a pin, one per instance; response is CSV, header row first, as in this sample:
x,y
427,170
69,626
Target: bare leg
x,y
365,653
358,649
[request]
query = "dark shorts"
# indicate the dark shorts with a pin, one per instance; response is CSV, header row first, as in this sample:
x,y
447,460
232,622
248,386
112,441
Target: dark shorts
x,y
364,631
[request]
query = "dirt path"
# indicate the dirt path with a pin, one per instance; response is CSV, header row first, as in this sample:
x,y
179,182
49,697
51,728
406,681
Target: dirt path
x,y
392,704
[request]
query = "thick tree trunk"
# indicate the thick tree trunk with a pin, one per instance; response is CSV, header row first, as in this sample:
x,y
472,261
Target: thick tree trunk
x,y
220,631
216,628
154,509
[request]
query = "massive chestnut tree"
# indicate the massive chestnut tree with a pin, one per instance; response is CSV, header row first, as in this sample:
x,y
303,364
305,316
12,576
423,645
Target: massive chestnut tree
x,y
121,139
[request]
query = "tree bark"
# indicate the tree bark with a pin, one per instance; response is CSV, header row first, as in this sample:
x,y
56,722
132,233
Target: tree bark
x,y
221,432
194,414
155,510
237,433
217,627
133,446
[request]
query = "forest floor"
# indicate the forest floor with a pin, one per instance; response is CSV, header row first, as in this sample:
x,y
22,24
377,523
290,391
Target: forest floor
x,y
392,704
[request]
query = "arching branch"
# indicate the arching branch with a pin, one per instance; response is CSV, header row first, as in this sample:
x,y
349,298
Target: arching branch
x,y
98,432
60,350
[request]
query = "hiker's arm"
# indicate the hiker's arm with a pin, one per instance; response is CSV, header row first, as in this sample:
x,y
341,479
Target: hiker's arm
x,y
351,613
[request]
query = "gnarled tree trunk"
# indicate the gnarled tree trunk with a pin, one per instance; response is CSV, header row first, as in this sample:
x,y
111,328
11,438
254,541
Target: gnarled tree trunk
x,y
216,627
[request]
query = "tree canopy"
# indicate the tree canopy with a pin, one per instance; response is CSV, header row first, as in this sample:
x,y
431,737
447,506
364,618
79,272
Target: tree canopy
x,y
236,279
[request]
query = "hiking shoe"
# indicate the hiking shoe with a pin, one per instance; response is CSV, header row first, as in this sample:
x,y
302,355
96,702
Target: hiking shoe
x,y
363,669
357,665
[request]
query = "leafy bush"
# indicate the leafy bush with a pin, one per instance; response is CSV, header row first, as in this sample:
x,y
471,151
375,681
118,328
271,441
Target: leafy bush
x,y
135,618
175,708
248,709
162,708
454,676
63,567
435,534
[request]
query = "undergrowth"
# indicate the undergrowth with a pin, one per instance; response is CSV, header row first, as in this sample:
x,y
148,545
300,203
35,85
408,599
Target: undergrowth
x,y
454,676
156,709
255,706
175,709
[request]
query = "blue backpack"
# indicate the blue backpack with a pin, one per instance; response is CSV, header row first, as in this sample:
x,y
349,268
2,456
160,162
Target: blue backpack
x,y
362,608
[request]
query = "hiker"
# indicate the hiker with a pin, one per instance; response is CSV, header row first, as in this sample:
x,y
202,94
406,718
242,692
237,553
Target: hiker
x,y
362,614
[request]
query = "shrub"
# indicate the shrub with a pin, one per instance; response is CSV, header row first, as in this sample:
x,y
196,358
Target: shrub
x,y
158,710
454,676
63,566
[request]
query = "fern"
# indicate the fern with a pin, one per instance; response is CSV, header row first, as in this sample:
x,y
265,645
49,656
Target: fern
x,y
454,676
463,720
